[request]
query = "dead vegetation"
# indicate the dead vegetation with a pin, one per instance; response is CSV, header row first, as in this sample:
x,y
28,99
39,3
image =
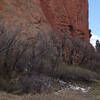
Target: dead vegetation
x,y
64,95
23,64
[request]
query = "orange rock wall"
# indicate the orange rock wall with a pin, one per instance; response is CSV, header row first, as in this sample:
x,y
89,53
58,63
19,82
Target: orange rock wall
x,y
70,16
24,15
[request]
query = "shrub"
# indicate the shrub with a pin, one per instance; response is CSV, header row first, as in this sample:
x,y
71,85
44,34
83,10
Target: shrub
x,y
48,54
94,63
76,73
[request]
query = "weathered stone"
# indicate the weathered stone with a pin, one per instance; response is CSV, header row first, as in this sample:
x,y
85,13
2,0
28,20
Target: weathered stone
x,y
26,14
70,16
32,16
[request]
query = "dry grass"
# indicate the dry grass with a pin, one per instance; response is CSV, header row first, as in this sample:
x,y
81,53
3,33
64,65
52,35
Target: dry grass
x,y
94,94
64,95
75,73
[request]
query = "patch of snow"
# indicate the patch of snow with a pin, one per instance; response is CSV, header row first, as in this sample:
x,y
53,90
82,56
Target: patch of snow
x,y
62,82
68,86
77,88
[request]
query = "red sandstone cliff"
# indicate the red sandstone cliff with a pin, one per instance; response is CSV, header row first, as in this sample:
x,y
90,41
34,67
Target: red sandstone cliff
x,y
69,16
24,14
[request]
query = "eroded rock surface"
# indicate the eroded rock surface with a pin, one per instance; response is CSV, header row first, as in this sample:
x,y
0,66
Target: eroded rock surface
x,y
31,16
24,15
70,16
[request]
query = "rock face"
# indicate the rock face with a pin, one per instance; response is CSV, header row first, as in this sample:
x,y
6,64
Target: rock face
x,y
70,16
32,16
24,15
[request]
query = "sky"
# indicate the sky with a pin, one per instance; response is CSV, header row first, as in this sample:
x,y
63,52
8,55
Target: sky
x,y
94,20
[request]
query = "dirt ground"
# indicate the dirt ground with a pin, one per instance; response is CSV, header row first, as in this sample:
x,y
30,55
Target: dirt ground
x,y
63,95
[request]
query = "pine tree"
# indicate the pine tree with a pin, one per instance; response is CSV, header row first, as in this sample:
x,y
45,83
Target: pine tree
x,y
98,46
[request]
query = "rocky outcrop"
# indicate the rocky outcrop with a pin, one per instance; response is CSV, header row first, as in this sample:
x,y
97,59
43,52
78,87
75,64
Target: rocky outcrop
x,y
24,15
32,16
69,16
